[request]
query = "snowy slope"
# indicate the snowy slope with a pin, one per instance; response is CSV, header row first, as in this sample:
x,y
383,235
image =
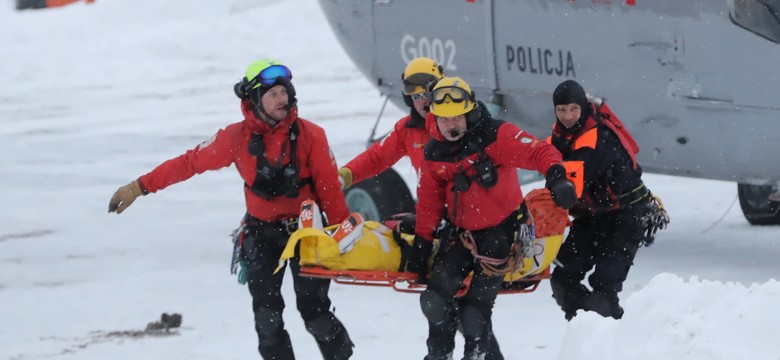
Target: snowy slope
x,y
94,96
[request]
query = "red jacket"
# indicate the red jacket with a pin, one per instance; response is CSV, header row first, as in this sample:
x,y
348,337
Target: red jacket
x,y
407,138
230,146
476,208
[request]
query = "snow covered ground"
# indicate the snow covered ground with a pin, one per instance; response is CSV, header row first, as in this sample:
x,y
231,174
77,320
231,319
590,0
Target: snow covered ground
x,y
94,96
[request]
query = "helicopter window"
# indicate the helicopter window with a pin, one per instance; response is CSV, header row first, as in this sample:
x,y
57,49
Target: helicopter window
x,y
758,16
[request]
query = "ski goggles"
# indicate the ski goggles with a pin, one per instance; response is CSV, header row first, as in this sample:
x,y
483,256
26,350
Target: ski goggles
x,y
415,83
422,95
455,94
271,76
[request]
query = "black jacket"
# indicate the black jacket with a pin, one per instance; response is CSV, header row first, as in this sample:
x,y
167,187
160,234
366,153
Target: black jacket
x,y
600,167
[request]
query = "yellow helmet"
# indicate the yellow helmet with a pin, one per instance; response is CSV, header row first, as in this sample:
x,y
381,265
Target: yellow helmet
x,y
419,73
452,96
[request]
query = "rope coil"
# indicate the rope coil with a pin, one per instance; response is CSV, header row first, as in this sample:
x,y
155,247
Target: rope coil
x,y
491,266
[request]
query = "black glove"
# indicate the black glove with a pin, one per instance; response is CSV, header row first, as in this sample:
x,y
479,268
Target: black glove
x,y
403,223
418,258
562,189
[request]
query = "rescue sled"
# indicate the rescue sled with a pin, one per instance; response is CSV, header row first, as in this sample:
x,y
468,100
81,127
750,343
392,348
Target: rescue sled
x,y
368,253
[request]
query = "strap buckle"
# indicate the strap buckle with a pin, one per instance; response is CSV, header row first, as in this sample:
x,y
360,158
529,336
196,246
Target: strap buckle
x,y
290,225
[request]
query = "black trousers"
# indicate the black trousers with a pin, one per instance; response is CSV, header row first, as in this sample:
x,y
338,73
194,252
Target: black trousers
x,y
606,243
262,249
474,310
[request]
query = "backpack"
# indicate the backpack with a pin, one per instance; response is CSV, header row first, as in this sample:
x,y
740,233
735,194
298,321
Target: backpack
x,y
604,115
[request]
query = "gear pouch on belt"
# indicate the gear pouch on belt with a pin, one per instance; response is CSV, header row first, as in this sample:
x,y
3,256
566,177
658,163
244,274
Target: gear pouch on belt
x,y
258,233
237,258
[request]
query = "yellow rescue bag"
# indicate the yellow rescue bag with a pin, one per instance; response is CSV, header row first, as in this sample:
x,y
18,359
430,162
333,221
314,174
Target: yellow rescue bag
x,y
374,250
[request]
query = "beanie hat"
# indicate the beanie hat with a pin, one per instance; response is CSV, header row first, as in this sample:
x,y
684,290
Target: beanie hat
x,y
570,92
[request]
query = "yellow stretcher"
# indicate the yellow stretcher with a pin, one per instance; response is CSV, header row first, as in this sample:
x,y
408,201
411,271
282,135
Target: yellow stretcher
x,y
376,256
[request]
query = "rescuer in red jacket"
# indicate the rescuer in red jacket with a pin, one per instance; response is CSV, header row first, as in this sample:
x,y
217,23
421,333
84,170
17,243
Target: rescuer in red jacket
x,y
409,135
283,160
469,178
408,138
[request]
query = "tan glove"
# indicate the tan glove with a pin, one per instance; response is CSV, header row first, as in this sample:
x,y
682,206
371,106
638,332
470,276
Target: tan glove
x,y
345,178
124,197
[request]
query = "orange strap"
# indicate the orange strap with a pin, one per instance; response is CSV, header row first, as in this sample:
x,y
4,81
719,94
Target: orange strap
x,y
55,3
575,171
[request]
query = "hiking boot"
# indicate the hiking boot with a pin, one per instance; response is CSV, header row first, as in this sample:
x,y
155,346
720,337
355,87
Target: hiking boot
x,y
569,296
475,354
438,357
604,304
493,351
573,302
475,348
339,348
281,350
